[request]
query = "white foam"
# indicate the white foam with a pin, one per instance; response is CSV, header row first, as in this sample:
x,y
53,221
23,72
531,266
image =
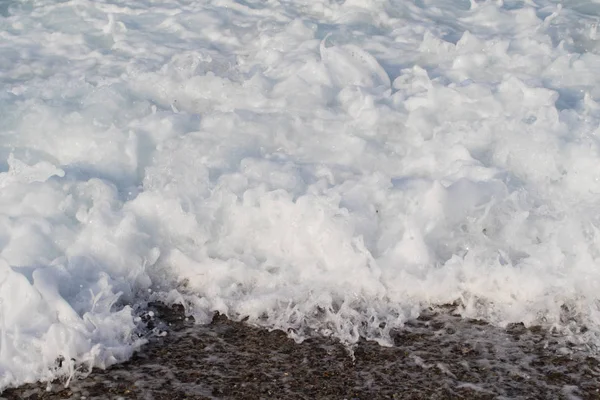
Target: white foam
x,y
328,166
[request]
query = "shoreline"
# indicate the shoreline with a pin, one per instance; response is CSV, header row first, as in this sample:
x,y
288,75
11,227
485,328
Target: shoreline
x,y
437,356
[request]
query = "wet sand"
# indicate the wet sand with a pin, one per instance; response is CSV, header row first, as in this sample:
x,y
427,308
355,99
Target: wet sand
x,y
437,356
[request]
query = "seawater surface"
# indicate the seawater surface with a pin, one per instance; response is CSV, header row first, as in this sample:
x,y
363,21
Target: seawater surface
x,y
329,167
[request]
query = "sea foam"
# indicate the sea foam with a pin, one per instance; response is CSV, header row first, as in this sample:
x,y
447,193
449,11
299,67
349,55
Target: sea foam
x,y
327,167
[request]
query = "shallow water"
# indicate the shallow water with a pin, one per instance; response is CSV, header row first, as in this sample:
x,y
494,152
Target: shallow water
x,y
329,167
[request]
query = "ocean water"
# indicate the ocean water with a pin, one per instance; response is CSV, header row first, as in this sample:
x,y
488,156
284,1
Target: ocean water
x,y
319,166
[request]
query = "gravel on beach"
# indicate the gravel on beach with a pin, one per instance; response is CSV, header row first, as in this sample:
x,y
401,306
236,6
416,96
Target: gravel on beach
x,y
437,356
